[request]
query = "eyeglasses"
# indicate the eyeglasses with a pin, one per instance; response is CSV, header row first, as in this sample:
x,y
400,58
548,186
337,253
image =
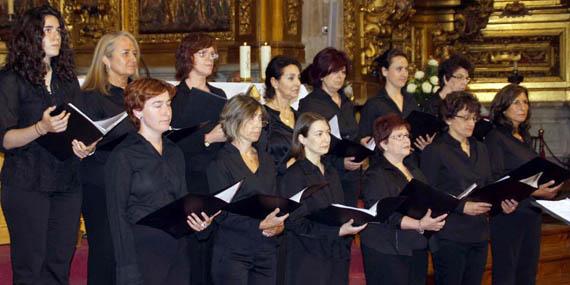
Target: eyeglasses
x,y
474,119
400,137
204,53
461,77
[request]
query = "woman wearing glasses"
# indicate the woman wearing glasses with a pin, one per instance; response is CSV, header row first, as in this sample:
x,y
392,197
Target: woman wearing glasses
x,y
453,76
515,238
394,252
197,102
452,163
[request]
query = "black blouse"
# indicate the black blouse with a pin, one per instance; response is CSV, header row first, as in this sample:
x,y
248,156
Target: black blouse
x,y
508,154
385,180
320,102
99,106
311,237
235,231
31,167
185,108
433,104
279,137
381,105
138,181
449,169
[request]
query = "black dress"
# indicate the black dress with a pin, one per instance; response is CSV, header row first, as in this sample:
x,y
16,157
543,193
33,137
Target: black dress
x,y
391,255
36,187
279,137
321,103
315,254
138,181
433,104
382,105
461,251
515,238
241,254
98,106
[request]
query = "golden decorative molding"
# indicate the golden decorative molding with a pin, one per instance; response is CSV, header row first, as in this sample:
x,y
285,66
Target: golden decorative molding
x,y
515,9
245,7
293,9
349,28
88,23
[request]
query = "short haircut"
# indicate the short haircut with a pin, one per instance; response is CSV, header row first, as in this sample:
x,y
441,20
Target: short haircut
x,y
302,126
451,65
237,110
325,62
457,101
140,91
275,70
503,100
190,45
385,125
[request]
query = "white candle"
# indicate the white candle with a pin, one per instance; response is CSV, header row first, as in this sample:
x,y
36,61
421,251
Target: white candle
x,y
10,7
264,58
245,61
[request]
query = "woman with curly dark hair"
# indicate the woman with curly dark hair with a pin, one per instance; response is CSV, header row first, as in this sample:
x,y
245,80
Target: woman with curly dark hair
x,y
40,196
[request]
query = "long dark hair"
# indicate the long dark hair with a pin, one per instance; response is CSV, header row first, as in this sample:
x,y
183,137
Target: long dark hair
x,y
503,100
26,54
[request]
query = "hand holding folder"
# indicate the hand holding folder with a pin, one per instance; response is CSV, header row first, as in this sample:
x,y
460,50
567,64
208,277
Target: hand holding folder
x,y
172,218
79,127
424,124
347,148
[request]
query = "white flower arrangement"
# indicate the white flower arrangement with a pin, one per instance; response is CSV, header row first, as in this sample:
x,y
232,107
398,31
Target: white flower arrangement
x,y
425,82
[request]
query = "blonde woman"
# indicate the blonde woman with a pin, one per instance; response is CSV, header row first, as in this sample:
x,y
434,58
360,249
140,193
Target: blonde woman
x,y
114,64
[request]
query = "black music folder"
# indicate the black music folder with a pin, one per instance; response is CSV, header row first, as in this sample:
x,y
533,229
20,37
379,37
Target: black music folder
x,y
506,188
172,217
550,171
259,206
420,197
424,124
79,127
178,134
347,148
482,128
558,209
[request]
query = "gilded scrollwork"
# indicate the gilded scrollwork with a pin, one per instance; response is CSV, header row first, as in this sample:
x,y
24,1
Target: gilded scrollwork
x,y
245,7
88,22
384,24
349,28
293,12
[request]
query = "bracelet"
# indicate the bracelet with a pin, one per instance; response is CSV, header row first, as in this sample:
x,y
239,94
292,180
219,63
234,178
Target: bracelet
x,y
37,128
420,229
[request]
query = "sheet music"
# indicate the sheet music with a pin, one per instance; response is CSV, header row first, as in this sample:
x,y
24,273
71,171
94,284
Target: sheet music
x,y
335,130
370,211
228,194
560,208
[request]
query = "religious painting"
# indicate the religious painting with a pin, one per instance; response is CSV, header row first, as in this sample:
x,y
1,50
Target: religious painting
x,y
182,16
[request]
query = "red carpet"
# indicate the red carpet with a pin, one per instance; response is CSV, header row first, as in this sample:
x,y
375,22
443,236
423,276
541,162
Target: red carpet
x,y
79,266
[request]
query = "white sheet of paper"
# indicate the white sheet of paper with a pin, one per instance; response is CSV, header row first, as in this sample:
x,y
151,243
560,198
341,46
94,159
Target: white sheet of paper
x,y
560,208
228,194
335,130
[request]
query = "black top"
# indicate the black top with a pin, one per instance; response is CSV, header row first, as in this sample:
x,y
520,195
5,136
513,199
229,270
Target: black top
x,y
385,180
31,167
320,102
381,105
508,154
279,137
304,236
138,181
237,232
188,110
449,169
99,106
433,104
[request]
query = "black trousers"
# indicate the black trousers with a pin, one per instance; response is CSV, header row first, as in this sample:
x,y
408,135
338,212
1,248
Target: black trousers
x,y
161,258
230,267
380,268
43,229
515,246
458,263
101,260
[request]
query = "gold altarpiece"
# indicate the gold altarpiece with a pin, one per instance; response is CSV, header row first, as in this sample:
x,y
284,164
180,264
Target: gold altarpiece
x,y
492,34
